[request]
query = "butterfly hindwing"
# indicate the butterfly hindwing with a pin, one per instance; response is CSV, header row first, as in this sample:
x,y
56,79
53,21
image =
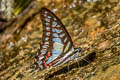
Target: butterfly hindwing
x,y
56,42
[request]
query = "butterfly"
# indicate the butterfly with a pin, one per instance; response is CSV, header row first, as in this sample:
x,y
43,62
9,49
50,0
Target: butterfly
x,y
57,47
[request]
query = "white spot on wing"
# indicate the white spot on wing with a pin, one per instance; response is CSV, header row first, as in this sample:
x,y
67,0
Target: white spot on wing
x,y
67,47
48,33
41,57
65,39
46,12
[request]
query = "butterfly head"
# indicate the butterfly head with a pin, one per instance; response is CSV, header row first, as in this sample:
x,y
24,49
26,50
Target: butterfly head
x,y
78,50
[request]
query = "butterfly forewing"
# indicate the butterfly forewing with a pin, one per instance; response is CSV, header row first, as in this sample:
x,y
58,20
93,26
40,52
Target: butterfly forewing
x,y
56,42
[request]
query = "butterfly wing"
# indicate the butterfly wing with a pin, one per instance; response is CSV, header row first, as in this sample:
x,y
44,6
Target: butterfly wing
x,y
56,41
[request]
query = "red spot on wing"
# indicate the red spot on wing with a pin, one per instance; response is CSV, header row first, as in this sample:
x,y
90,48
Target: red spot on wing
x,y
50,64
46,57
45,64
48,53
55,61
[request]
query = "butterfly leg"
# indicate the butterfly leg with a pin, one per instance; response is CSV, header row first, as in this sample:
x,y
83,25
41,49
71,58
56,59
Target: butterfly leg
x,y
86,60
68,66
77,60
76,55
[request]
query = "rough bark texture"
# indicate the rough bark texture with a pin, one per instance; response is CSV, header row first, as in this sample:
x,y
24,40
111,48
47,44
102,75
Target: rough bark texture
x,y
93,26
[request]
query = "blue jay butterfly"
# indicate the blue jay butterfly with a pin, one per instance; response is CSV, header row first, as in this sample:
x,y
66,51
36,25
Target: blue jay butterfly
x,y
57,47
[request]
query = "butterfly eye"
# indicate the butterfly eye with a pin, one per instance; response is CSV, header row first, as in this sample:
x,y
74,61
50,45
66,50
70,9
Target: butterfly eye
x,y
80,49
